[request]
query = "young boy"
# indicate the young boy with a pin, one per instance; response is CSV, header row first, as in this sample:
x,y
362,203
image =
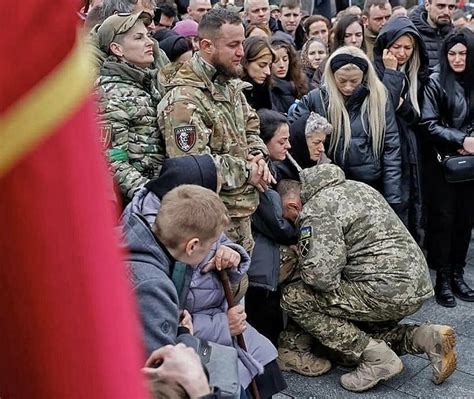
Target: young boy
x,y
190,221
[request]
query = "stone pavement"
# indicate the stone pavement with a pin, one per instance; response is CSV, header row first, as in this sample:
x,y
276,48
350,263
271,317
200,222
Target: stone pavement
x,y
415,380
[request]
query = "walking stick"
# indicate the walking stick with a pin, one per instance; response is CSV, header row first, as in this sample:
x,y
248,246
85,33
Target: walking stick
x,y
229,296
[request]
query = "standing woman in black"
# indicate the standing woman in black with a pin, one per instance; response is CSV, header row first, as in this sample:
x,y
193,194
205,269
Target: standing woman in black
x,y
447,116
401,62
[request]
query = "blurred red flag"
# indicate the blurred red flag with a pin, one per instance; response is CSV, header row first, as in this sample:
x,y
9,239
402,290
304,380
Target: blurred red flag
x,y
68,325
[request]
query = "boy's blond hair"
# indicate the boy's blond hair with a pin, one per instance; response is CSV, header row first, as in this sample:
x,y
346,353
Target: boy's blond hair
x,y
187,212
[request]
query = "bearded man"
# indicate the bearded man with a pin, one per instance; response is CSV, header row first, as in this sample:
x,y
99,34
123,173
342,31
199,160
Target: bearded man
x,y
205,112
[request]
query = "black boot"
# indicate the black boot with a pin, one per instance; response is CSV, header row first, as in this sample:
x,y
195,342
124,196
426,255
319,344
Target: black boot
x,y
444,295
460,288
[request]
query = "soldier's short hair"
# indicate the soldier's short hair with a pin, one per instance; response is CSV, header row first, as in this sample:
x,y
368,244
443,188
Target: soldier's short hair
x,y
189,211
289,188
213,20
375,3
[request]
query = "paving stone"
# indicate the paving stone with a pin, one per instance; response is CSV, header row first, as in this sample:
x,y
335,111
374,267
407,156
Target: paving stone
x,y
412,366
327,386
458,385
465,351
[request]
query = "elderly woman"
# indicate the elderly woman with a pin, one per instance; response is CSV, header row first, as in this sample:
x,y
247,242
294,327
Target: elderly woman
x,y
128,100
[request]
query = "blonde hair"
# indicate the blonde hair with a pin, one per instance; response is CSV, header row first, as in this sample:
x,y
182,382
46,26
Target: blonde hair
x,y
373,107
187,212
412,74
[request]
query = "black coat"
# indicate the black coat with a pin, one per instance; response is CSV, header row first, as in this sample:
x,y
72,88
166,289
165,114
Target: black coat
x,y
359,162
283,95
259,96
270,230
397,85
447,125
432,37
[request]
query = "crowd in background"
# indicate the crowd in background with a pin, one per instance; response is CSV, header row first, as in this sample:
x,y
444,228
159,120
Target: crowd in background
x,y
273,106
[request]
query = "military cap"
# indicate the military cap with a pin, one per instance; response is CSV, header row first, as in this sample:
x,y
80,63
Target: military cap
x,y
117,24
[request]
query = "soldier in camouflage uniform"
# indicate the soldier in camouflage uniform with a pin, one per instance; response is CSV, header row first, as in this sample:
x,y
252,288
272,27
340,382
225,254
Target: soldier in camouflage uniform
x,y
128,101
361,272
205,111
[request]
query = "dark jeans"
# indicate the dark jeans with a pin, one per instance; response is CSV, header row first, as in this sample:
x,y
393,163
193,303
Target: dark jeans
x,y
449,208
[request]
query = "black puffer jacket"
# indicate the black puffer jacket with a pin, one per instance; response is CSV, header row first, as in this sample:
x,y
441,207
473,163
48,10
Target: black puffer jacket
x,y
447,125
431,36
407,117
359,162
283,94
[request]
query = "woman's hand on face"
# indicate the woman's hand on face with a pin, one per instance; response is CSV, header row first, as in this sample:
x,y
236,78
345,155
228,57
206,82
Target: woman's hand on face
x,y
389,60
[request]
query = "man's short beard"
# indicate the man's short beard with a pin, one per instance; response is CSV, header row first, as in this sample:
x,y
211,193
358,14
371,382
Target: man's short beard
x,y
226,72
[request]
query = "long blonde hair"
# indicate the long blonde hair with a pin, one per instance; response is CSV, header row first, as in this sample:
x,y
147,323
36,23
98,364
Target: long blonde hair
x,y
373,106
412,73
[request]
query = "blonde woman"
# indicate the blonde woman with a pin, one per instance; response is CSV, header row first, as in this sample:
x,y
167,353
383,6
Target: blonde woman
x,y
365,141
401,62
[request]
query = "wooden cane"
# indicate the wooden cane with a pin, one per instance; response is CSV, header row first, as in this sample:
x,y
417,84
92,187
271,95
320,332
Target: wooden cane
x,y
229,296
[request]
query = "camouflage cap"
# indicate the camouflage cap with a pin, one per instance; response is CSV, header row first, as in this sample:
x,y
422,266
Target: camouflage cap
x,y
228,6
117,24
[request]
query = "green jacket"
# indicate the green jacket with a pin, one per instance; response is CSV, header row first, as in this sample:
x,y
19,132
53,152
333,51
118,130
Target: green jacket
x,y
203,113
348,231
127,108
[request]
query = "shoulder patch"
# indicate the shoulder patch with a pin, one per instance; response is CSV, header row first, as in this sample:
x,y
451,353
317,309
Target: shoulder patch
x,y
306,232
185,137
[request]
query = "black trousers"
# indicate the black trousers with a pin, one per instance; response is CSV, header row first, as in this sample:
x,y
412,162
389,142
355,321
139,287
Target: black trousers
x,y
450,215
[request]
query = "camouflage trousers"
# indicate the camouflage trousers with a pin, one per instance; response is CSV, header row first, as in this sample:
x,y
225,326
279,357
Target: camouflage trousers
x,y
240,232
345,319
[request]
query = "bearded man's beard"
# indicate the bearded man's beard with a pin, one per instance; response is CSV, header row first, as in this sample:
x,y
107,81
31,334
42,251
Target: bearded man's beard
x,y
227,72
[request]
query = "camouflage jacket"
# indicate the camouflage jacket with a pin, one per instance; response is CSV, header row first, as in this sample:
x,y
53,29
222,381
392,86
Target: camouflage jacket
x,y
127,108
349,232
202,113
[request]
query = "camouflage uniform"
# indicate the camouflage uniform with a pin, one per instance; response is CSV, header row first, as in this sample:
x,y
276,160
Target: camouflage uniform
x,y
127,107
360,269
203,113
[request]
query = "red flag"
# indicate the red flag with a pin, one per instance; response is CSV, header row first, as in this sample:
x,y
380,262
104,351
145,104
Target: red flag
x,y
68,324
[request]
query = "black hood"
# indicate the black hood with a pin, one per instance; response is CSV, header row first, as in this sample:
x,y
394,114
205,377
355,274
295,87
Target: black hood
x,y
391,31
192,169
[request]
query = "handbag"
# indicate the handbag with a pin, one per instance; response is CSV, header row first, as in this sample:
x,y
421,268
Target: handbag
x,y
220,362
457,168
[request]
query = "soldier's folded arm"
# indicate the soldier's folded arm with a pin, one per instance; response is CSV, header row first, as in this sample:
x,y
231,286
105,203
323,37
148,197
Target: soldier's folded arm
x,y
186,133
126,176
322,251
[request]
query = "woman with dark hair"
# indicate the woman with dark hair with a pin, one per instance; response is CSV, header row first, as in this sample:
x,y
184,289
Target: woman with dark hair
x,y
273,261
317,26
447,115
289,81
401,62
257,64
349,31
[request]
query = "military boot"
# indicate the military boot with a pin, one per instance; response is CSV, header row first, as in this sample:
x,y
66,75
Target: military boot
x,y
378,363
294,354
438,342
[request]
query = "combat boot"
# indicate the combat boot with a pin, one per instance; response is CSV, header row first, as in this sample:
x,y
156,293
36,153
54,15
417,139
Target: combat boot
x,y
438,342
294,354
378,363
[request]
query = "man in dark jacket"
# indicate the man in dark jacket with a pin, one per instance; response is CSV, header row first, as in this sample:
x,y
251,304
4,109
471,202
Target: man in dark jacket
x,y
433,21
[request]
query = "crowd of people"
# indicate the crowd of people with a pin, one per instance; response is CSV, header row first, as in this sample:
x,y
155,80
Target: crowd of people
x,y
284,182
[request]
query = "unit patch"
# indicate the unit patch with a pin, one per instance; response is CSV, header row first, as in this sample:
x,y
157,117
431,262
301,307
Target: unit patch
x,y
185,137
304,243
